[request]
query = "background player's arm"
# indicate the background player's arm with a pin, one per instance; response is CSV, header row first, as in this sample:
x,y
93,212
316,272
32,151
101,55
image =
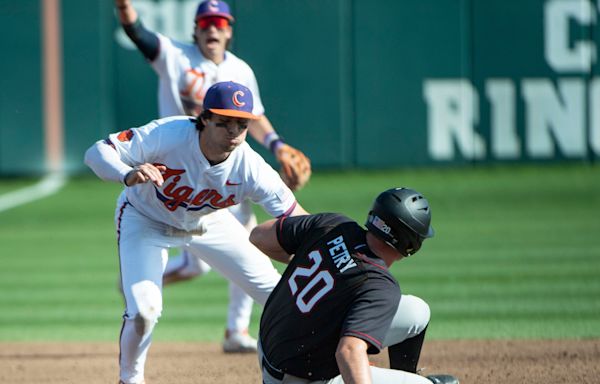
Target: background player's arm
x,y
264,237
295,166
259,129
146,41
127,14
352,360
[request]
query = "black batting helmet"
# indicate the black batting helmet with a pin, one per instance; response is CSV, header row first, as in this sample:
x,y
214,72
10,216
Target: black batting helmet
x,y
401,217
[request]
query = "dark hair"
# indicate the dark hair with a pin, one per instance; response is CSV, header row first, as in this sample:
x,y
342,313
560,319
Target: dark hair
x,y
206,114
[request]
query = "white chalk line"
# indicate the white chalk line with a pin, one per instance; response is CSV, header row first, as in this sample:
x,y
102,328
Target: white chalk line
x,y
49,185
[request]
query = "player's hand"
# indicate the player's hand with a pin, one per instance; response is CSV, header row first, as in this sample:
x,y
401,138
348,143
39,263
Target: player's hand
x,y
122,3
295,166
144,173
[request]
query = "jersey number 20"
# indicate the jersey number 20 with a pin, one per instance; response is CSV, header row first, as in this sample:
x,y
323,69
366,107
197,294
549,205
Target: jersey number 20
x,y
305,304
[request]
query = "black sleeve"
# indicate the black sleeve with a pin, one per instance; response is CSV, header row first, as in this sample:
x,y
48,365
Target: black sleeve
x,y
293,232
370,315
146,41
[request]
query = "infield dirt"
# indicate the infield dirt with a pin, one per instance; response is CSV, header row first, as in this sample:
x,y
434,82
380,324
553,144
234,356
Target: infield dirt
x,y
474,362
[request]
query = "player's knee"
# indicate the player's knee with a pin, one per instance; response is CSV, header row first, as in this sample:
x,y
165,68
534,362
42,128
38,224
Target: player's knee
x,y
148,301
418,313
143,326
411,318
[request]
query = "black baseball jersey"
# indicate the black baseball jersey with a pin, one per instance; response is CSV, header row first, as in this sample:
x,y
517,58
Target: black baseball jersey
x,y
333,287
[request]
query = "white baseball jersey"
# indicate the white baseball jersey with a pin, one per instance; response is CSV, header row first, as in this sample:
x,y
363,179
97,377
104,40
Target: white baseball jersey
x,y
185,76
192,187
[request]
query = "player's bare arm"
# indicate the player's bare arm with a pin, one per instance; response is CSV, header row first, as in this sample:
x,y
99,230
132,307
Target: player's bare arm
x,y
264,237
295,166
298,211
260,128
352,360
127,14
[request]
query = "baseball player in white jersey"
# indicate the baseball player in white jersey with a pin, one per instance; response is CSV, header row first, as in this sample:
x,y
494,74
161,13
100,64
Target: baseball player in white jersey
x,y
185,72
181,173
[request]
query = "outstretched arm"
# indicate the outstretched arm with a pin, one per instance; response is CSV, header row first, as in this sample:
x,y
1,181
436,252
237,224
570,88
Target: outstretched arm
x,y
146,41
260,128
352,360
127,14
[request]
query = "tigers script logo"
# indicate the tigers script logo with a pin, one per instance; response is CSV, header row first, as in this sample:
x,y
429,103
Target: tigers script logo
x,y
174,195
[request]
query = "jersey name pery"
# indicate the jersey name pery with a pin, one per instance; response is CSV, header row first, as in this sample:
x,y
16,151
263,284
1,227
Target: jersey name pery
x,y
340,255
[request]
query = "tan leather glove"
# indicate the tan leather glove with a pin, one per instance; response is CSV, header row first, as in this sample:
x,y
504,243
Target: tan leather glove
x,y
295,167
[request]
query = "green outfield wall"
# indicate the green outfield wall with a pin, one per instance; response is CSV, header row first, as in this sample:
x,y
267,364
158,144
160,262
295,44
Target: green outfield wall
x,y
354,83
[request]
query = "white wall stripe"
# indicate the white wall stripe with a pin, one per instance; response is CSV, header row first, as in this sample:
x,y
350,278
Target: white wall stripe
x,y
49,185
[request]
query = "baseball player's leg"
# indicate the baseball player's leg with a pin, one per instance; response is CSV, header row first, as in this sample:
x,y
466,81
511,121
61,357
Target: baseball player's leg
x,y
407,333
183,267
240,308
244,214
389,376
410,320
142,260
237,338
225,246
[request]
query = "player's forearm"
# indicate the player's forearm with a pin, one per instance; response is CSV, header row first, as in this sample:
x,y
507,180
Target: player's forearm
x,y
352,360
127,14
258,129
106,163
263,132
264,237
298,210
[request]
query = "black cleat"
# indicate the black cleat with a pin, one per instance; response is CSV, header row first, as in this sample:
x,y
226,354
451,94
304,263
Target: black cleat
x,y
442,379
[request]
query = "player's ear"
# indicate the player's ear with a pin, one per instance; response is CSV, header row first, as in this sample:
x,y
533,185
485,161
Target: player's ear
x,y
204,117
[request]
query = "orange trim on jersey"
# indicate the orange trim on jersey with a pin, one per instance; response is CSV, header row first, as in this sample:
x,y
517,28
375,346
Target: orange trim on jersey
x,y
125,135
234,113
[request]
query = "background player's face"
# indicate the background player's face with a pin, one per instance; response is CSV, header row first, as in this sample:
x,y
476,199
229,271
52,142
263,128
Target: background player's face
x,y
223,133
212,37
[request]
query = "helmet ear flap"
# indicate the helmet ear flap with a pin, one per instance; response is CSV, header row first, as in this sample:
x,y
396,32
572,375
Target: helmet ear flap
x,y
409,242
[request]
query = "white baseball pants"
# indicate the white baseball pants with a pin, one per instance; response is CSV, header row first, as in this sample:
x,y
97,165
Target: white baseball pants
x,y
239,310
143,252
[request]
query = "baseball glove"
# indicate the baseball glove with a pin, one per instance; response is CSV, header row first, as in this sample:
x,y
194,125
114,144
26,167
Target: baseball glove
x,y
295,167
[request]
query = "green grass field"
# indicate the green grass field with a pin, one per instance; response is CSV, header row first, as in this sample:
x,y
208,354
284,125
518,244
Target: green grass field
x,y
516,255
